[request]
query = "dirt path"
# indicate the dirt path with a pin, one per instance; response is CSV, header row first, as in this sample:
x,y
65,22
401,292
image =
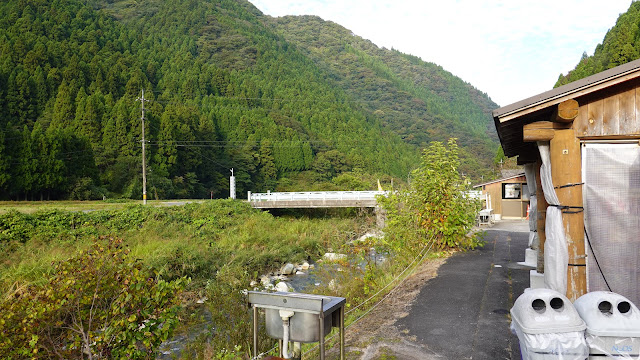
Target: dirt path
x,y
376,335
384,334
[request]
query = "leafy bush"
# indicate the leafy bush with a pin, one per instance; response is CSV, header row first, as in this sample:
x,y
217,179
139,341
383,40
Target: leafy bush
x,y
99,304
434,207
85,189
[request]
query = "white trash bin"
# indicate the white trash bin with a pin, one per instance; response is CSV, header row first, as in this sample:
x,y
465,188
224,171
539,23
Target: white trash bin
x,y
613,325
548,326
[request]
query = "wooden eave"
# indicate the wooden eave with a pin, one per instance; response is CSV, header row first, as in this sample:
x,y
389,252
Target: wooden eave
x,y
500,180
510,120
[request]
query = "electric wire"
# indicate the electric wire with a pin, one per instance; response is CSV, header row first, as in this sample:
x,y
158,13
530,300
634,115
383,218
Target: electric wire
x,y
418,259
596,259
423,253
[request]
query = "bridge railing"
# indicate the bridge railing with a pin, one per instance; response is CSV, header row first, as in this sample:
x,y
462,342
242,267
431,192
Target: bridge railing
x,y
314,195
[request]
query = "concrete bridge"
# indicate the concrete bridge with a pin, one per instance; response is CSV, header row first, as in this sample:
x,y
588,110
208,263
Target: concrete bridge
x,y
317,199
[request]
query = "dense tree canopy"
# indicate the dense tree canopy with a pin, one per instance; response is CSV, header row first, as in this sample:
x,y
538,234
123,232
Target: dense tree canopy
x,y
621,45
227,87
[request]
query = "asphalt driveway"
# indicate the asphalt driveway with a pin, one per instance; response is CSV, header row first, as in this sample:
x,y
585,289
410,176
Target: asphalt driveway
x,y
463,313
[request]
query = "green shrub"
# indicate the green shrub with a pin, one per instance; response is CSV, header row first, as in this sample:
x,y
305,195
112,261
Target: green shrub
x,y
98,304
434,208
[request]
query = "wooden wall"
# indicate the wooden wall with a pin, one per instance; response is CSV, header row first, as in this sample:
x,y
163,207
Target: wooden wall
x,y
611,113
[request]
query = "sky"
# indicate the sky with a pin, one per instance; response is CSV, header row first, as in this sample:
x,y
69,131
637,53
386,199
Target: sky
x,y
509,49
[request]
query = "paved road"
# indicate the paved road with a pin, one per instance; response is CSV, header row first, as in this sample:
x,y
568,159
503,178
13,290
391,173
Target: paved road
x,y
463,312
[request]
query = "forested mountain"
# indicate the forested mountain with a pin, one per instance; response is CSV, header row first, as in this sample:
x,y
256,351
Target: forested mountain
x,y
621,45
227,87
418,100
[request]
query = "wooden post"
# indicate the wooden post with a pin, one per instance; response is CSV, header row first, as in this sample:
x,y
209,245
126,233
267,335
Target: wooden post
x,y
542,218
566,172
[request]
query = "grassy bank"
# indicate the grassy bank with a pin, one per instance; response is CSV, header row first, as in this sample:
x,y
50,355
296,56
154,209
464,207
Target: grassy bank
x,y
221,245
196,240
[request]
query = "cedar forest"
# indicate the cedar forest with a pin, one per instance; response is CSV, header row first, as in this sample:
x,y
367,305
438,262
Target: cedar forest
x,y
292,103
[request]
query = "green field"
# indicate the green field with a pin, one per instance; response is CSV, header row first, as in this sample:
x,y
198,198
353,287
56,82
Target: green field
x,y
29,207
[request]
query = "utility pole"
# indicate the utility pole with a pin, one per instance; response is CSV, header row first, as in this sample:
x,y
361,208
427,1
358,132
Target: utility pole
x,y
144,158
232,186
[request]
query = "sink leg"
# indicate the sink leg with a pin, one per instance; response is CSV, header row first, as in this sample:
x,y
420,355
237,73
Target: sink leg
x,y
255,332
321,336
342,333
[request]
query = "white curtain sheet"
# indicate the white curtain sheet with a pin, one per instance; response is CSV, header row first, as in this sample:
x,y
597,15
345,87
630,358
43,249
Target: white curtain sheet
x,y
611,175
530,172
556,255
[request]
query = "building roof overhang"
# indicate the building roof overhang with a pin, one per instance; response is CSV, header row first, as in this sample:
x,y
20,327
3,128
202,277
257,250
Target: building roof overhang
x,y
510,120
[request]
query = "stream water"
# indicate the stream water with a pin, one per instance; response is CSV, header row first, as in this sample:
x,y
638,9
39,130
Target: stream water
x,y
300,282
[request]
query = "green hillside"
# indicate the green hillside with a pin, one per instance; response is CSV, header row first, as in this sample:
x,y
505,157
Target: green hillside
x,y
227,87
621,45
418,100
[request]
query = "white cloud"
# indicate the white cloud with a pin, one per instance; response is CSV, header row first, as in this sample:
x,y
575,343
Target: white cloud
x,y
510,49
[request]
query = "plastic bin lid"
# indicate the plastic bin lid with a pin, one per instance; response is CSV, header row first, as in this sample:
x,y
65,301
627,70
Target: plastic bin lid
x,y
608,314
543,311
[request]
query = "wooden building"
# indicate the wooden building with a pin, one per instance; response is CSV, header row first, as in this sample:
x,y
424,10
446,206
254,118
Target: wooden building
x,y
509,196
591,131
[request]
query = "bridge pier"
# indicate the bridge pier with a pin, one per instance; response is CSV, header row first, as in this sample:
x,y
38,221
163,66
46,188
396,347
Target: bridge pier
x,y
381,216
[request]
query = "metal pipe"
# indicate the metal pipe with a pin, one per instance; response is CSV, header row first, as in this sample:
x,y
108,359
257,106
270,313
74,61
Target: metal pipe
x,y
285,338
285,315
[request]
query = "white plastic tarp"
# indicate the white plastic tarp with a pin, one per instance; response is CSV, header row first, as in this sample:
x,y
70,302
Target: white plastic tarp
x,y
609,347
560,346
530,173
611,173
556,255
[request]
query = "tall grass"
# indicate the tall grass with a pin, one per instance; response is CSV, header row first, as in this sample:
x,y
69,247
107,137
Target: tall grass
x,y
221,244
195,239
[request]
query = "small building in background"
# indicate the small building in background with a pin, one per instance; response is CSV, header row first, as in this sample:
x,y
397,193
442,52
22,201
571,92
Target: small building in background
x,y
509,196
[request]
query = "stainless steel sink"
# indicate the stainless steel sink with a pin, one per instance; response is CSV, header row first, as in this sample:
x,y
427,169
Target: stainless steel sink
x,y
314,316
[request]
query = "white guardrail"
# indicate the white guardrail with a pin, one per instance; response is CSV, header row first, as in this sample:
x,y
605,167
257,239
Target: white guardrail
x,y
314,195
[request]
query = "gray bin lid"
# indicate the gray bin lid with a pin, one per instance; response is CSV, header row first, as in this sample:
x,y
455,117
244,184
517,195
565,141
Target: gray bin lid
x,y
543,311
609,314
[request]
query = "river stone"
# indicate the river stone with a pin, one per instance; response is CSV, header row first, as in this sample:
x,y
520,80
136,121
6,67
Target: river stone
x,y
265,280
333,285
334,256
305,266
284,287
269,286
371,234
288,269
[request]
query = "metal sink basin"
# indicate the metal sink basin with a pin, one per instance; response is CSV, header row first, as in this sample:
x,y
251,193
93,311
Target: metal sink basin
x,y
314,315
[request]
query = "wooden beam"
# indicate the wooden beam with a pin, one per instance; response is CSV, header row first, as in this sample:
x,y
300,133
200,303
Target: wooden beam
x,y
542,218
533,135
541,125
542,130
566,172
566,111
527,158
